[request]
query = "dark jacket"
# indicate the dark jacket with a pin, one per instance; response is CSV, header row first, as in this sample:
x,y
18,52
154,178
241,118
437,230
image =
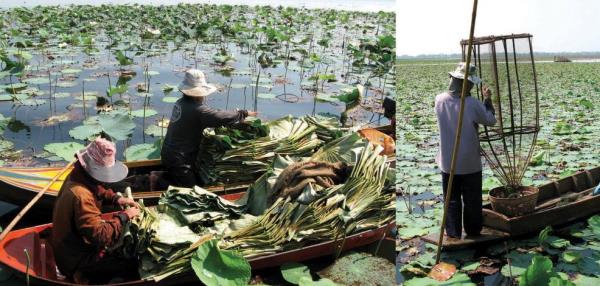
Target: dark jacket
x,y
79,234
188,120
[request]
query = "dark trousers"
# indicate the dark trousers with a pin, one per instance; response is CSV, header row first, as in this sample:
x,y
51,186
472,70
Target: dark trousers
x,y
465,198
179,169
105,269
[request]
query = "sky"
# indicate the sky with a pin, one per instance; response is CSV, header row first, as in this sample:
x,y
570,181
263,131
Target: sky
x,y
437,26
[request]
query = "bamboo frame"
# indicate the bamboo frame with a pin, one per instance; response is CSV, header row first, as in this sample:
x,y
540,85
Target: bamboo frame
x,y
508,146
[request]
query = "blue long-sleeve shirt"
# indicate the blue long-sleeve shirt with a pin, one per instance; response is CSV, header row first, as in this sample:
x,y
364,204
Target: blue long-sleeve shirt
x,y
447,108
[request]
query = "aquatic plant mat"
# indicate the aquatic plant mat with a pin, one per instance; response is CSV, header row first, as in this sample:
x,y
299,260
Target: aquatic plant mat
x,y
62,65
566,144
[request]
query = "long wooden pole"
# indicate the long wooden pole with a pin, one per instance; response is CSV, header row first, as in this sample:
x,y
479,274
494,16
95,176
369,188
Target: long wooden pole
x,y
34,200
458,133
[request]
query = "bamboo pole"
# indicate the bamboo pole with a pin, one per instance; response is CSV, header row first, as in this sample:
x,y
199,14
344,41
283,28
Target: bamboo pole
x,y
34,200
458,133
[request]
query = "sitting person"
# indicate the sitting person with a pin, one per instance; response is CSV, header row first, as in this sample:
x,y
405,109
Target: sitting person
x,y
189,118
80,235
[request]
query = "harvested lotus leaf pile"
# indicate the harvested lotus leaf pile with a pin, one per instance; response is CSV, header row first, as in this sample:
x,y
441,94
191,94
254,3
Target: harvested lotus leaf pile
x,y
338,150
361,203
184,219
188,218
230,156
196,207
137,234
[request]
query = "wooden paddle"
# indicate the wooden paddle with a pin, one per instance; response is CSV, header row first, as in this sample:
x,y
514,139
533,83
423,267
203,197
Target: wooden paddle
x,y
34,200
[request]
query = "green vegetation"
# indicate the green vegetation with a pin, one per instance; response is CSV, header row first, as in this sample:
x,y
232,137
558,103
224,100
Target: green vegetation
x,y
568,142
263,58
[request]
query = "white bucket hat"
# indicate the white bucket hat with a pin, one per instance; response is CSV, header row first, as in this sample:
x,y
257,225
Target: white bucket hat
x,y
459,73
194,84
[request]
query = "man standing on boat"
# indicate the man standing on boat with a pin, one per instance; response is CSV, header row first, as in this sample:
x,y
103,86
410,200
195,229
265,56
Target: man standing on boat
x,y
189,118
80,235
467,187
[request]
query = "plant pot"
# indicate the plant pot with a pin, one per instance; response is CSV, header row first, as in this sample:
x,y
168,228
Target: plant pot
x,y
512,207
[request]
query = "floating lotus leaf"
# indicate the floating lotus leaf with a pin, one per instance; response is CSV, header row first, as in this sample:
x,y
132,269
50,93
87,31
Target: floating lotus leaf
x,y
87,97
155,130
65,83
6,145
170,99
238,85
306,281
32,102
37,80
266,95
118,126
70,71
142,113
85,132
15,87
64,150
293,271
458,279
519,262
144,151
166,88
61,95
216,267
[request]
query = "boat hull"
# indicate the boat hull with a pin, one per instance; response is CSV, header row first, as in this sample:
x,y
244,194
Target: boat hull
x,y
42,270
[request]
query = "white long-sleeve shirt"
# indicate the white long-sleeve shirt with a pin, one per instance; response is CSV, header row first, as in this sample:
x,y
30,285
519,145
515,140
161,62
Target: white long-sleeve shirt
x,y
447,108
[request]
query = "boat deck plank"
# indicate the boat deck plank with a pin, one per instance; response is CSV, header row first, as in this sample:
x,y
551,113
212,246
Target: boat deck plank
x,y
488,235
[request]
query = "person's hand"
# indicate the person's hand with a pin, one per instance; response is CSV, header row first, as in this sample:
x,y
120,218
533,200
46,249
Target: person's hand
x,y
252,113
132,212
487,93
125,202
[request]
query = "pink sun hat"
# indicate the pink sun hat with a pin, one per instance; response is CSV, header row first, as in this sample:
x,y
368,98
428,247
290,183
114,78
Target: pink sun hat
x,y
98,160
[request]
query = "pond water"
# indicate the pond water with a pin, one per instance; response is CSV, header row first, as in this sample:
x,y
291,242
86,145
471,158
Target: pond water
x,y
59,71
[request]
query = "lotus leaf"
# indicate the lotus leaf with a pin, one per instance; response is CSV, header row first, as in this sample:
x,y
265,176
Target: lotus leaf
x,y
144,113
64,150
217,267
170,99
292,272
141,152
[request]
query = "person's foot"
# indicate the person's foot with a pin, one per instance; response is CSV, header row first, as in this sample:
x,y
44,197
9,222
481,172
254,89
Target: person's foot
x,y
473,235
451,237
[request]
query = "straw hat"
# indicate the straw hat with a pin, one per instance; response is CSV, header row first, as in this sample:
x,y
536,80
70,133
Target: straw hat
x,y
194,84
460,70
98,160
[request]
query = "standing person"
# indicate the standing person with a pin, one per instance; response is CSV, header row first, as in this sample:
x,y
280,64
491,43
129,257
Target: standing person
x,y
189,118
468,176
80,235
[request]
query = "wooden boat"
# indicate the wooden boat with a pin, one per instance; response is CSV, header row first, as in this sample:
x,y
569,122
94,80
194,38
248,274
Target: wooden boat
x,y
43,271
559,203
19,185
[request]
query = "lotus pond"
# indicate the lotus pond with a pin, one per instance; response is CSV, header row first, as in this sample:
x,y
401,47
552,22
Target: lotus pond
x,y
69,73
568,142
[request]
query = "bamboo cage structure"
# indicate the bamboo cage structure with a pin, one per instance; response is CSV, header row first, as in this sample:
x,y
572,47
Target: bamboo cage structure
x,y
506,65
